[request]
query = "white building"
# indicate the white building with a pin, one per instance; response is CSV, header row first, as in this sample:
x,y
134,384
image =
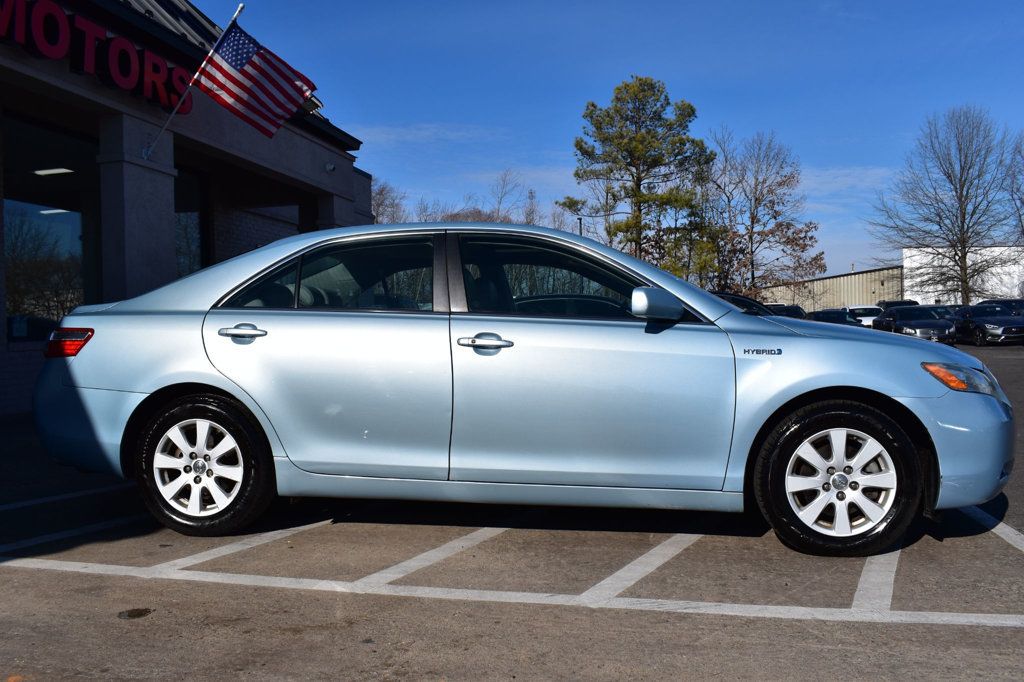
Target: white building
x,y
1006,280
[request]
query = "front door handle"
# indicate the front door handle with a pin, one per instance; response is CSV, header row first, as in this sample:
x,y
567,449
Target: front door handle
x,y
242,331
485,340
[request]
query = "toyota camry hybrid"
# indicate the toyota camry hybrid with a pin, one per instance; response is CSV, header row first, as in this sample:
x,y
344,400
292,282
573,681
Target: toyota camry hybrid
x,y
510,364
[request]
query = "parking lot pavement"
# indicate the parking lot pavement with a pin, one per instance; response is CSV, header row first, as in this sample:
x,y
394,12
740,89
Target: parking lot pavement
x,y
376,589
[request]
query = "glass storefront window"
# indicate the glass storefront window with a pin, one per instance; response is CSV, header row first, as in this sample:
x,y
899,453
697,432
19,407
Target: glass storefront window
x,y
50,208
43,267
188,214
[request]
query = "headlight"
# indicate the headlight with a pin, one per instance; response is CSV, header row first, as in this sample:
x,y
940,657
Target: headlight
x,y
960,378
907,330
991,326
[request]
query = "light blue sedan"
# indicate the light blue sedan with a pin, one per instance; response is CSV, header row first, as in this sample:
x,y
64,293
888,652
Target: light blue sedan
x,y
510,364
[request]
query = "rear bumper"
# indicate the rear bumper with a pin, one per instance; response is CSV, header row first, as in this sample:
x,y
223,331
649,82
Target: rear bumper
x,y
81,426
973,436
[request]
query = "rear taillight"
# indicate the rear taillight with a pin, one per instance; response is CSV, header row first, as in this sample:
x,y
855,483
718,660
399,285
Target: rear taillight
x,y
65,342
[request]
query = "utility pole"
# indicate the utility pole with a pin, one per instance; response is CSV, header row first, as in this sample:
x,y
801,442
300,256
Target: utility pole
x,y
579,219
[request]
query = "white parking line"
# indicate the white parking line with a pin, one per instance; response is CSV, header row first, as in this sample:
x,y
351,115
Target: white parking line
x,y
874,591
66,534
239,546
639,568
66,496
497,596
1011,535
428,558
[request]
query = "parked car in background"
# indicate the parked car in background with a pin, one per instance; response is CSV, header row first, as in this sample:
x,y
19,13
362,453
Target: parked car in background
x,y
784,310
885,305
946,312
511,364
988,323
865,314
918,321
744,303
834,317
1016,305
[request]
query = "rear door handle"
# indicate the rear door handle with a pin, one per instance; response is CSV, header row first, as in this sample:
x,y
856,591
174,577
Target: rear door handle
x,y
242,331
485,340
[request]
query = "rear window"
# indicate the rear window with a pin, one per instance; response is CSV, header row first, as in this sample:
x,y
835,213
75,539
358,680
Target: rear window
x,y
865,312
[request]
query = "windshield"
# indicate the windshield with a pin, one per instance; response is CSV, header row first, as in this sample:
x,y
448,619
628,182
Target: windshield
x,y
911,313
865,312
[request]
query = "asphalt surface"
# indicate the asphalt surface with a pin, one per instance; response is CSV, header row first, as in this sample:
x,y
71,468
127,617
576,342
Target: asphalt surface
x,y
89,586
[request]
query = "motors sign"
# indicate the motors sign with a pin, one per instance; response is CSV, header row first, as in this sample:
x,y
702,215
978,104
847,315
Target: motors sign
x,y
46,30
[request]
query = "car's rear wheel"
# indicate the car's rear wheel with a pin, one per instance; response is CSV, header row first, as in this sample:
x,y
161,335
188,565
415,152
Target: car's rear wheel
x,y
838,478
204,467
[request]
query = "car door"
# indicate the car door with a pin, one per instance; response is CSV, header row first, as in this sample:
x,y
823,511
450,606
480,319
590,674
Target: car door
x,y
346,350
556,383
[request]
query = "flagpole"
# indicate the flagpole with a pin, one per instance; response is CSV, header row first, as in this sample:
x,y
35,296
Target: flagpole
x,y
147,151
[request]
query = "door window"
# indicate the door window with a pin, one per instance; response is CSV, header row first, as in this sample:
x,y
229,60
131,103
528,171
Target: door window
x,y
510,276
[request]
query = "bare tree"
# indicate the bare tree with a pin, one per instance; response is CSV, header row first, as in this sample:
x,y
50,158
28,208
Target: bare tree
x,y
506,196
952,200
1016,182
387,203
531,211
745,230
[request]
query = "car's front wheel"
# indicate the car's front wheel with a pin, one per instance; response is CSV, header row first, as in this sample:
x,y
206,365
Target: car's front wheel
x,y
980,337
838,478
204,467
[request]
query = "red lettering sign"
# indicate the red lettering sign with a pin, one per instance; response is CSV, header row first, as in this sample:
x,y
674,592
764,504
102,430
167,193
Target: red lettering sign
x,y
47,31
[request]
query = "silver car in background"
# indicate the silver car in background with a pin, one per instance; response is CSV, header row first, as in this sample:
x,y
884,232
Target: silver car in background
x,y
511,364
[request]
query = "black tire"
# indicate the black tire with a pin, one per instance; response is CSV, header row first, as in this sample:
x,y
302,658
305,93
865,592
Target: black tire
x,y
255,491
980,337
773,460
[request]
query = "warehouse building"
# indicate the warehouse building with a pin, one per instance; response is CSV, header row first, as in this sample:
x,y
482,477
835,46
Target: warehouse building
x,y
86,216
864,287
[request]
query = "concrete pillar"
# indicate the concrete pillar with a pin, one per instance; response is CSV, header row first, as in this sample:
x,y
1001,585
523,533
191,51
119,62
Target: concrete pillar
x,y
137,222
334,211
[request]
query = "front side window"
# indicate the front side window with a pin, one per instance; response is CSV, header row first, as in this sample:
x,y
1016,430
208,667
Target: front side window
x,y
379,275
504,275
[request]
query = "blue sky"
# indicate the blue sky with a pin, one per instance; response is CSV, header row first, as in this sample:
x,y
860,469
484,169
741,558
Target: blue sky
x,y
446,94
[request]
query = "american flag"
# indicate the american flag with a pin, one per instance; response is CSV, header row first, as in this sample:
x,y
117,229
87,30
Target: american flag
x,y
252,82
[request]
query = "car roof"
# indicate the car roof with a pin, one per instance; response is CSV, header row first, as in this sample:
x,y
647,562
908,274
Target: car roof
x,y
203,289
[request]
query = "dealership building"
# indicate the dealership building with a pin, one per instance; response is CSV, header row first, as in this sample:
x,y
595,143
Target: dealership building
x,y
91,210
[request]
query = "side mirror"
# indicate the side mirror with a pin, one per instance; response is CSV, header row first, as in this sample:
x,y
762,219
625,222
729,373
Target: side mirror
x,y
651,303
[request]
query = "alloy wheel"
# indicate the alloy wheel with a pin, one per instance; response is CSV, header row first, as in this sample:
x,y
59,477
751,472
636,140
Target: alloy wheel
x,y
198,467
841,482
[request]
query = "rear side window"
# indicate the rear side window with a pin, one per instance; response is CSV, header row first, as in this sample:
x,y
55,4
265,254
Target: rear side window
x,y
276,290
392,274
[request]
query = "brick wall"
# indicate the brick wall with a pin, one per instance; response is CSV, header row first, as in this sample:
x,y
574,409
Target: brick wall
x,y
19,366
236,230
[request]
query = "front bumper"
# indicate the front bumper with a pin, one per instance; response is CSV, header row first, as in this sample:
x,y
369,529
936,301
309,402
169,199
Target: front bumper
x,y
939,335
973,436
82,427
1004,336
